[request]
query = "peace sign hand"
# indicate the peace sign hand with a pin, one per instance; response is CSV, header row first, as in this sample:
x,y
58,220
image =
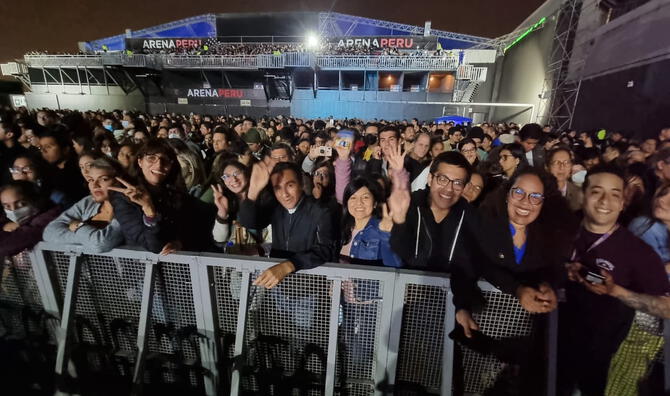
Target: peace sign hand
x,y
220,201
136,195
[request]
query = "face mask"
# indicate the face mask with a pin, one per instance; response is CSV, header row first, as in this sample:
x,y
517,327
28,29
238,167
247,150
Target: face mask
x,y
174,136
20,215
109,127
579,177
109,154
125,123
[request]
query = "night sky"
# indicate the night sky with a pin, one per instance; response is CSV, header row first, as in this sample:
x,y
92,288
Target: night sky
x,y
58,25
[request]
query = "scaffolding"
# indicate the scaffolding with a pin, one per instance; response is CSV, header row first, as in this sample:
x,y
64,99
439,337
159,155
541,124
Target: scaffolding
x,y
559,95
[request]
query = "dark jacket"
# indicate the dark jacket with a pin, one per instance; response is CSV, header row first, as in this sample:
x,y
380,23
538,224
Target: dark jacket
x,y
28,234
191,223
417,246
69,182
544,257
306,237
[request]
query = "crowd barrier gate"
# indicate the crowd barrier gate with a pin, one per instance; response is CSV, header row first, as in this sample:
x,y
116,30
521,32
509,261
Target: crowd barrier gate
x,y
197,319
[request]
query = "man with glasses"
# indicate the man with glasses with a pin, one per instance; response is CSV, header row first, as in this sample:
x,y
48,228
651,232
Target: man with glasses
x,y
436,230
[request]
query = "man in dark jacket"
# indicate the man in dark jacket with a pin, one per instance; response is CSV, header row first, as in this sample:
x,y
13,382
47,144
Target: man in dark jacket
x,y
437,230
302,230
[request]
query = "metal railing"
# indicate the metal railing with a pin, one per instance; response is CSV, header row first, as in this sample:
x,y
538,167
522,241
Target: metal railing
x,y
289,59
197,321
347,62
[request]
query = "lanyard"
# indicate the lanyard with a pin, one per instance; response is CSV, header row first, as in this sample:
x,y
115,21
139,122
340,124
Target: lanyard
x,y
595,244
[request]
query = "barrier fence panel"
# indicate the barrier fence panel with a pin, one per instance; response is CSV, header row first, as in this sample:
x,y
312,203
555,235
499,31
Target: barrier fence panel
x,y
196,324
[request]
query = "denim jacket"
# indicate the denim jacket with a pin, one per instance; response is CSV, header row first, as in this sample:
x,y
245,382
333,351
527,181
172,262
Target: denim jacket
x,y
373,244
654,233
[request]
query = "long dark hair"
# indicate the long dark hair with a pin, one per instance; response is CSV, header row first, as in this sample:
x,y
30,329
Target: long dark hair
x,y
329,191
352,187
233,200
172,189
555,226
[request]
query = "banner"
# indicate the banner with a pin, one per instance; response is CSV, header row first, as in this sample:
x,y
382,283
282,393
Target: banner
x,y
168,44
399,42
229,96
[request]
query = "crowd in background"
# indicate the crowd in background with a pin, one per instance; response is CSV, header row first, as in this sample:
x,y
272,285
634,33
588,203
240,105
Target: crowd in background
x,y
576,219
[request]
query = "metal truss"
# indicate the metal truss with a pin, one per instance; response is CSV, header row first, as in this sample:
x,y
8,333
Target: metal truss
x,y
559,96
154,30
328,26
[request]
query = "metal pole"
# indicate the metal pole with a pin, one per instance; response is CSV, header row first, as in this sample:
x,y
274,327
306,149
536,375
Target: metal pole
x,y
143,326
69,306
201,281
332,336
243,307
448,345
552,343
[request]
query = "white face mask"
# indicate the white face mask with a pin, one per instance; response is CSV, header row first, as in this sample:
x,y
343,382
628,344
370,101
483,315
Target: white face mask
x,y
20,215
174,136
579,177
125,123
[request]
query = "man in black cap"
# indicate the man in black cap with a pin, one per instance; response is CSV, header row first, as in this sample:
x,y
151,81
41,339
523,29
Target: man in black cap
x,y
252,138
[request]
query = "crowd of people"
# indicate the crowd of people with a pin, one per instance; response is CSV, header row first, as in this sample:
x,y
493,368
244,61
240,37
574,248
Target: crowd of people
x,y
571,220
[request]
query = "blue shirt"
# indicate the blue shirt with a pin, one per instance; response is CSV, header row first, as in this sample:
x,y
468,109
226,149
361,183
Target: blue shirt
x,y
518,252
654,233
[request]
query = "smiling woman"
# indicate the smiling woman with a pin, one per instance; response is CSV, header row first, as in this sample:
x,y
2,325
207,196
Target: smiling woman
x,y
155,211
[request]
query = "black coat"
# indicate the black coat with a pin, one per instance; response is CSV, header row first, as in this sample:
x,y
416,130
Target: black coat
x,y
306,237
189,222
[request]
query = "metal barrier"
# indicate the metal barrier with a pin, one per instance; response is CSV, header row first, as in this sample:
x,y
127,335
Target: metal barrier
x,y
63,60
197,322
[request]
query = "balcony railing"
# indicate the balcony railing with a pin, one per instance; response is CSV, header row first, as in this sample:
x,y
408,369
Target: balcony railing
x,y
347,62
266,61
198,321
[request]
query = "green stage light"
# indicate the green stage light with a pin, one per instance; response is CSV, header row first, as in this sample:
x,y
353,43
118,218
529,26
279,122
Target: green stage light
x,y
526,33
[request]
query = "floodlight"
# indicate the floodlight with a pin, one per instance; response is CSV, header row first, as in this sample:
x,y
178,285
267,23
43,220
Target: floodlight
x,y
311,40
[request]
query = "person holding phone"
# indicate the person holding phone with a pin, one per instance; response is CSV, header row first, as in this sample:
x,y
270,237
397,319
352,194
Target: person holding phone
x,y
598,311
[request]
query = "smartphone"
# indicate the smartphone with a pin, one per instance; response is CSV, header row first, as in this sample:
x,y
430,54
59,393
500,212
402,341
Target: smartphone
x,y
594,278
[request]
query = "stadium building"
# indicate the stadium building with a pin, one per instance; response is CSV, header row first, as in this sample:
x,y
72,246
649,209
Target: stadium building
x,y
567,55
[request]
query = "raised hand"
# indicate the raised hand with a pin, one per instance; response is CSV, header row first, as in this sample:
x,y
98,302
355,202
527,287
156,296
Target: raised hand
x,y
313,152
387,219
260,177
136,195
220,201
343,147
396,158
399,201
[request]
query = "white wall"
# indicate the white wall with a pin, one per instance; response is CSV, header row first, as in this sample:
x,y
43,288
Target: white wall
x,y
70,97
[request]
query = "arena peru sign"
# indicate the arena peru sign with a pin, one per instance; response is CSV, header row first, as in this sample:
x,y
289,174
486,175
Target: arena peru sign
x,y
215,93
163,44
400,42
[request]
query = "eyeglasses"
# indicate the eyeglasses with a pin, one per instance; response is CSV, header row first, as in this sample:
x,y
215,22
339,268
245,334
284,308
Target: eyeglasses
x,y
321,174
233,175
456,184
470,150
518,194
561,164
154,158
504,157
25,170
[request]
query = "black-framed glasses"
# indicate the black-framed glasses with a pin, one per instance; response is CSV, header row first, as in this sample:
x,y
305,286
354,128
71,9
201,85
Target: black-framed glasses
x,y
456,184
519,194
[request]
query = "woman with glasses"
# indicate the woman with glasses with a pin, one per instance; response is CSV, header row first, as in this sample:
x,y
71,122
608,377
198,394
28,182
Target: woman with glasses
x,y
528,230
229,191
155,211
559,164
